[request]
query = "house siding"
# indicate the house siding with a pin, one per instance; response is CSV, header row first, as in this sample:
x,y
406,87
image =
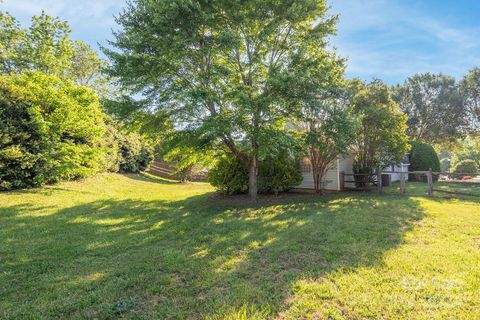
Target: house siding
x,y
395,171
331,181
345,165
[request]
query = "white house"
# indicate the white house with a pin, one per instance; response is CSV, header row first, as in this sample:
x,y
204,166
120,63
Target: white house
x,y
332,180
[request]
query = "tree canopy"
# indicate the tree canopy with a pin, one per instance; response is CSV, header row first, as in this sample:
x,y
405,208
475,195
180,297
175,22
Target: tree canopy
x,y
470,89
217,67
434,107
46,46
380,138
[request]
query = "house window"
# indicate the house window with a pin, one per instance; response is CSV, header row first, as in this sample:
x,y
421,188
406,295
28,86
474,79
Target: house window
x,y
305,165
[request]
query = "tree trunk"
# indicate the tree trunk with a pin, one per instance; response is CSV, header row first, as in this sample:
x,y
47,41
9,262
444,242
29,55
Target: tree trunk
x,y
318,175
316,178
252,179
318,183
316,170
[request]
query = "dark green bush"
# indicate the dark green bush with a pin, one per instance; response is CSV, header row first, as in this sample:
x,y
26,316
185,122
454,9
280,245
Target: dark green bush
x,y
229,176
135,153
123,151
110,146
423,157
50,130
275,174
468,167
279,174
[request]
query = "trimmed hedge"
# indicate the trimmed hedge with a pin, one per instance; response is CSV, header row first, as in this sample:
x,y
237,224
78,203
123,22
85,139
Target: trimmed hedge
x,y
468,167
423,157
275,175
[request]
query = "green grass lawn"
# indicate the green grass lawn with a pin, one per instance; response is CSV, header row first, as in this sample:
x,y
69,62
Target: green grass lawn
x,y
138,247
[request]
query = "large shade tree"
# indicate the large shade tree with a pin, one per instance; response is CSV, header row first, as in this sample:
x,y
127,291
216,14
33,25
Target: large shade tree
x,y
434,106
215,66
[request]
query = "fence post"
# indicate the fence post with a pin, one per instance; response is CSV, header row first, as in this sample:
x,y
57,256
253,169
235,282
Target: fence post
x,y
430,182
379,179
402,182
342,181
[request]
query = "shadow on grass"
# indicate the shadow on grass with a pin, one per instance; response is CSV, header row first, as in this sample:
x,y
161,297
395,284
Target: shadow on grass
x,y
193,258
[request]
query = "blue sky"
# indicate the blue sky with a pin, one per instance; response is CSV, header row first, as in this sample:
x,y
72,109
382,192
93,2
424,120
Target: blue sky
x,y
386,39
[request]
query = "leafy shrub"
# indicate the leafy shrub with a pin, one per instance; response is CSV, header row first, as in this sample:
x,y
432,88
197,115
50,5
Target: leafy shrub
x,y
363,176
275,174
135,153
50,130
469,150
124,151
467,167
279,174
112,158
423,157
229,176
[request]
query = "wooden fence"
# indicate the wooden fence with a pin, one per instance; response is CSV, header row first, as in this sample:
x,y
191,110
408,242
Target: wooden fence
x,y
167,170
361,181
373,182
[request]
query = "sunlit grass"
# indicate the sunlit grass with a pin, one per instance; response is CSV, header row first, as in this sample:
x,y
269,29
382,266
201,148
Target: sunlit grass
x,y
139,247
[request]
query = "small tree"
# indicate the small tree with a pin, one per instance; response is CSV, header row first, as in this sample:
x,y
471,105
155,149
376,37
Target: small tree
x,y
329,134
380,138
445,165
469,148
316,89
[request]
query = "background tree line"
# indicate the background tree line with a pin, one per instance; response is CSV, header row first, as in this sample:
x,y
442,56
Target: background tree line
x,y
444,112
245,87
